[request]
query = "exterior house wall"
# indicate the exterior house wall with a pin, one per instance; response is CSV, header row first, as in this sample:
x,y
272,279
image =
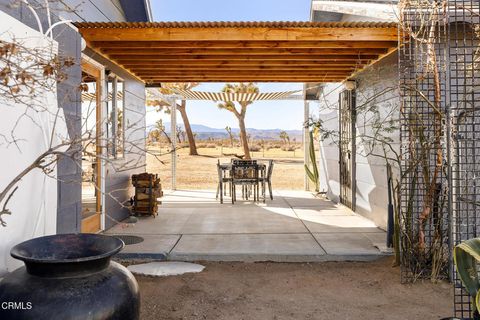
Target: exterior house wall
x,y
69,194
381,81
68,197
371,194
92,10
118,188
69,172
117,172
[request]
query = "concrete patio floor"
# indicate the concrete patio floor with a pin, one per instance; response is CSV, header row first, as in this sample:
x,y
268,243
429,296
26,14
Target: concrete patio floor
x,y
294,227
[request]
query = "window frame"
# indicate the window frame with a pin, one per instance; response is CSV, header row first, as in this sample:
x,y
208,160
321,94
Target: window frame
x,y
112,139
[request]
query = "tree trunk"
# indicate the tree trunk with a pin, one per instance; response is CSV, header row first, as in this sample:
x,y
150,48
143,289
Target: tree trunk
x,y
167,137
243,137
188,129
179,137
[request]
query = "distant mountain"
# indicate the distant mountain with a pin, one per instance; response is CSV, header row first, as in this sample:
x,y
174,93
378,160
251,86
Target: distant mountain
x,y
204,132
199,128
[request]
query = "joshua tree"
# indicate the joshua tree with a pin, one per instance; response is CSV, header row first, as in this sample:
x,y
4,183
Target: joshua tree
x,y
168,88
230,135
284,136
180,134
249,138
153,136
240,114
161,128
262,145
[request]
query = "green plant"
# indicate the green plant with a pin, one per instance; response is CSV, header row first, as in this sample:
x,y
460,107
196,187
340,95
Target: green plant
x,y
466,255
313,174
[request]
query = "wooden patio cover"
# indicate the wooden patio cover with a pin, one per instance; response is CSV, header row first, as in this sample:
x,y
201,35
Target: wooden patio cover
x,y
157,52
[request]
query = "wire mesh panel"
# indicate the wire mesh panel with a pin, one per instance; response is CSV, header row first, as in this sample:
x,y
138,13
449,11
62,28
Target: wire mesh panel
x,y
424,214
440,133
464,58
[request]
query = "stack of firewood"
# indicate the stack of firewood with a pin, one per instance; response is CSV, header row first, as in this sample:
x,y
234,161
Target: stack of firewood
x,y
147,191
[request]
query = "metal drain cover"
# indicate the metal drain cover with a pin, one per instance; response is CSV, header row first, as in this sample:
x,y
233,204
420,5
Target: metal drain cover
x,y
128,239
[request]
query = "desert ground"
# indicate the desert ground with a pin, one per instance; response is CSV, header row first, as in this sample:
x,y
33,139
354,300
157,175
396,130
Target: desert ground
x,y
236,290
200,172
330,290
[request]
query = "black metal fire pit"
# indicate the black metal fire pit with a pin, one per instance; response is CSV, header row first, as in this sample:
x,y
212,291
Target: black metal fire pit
x,y
70,276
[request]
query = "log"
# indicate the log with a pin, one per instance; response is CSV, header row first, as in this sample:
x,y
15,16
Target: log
x,y
147,191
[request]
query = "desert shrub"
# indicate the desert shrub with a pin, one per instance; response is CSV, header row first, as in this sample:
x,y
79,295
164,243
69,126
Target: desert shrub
x,y
211,145
255,148
289,148
201,145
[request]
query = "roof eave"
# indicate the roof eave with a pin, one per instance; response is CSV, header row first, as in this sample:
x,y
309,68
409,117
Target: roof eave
x,y
137,10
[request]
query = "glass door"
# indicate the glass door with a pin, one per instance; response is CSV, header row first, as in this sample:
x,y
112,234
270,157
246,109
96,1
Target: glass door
x,y
91,148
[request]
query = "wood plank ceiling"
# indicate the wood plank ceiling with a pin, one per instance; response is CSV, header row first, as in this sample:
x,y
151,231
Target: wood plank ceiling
x,y
157,52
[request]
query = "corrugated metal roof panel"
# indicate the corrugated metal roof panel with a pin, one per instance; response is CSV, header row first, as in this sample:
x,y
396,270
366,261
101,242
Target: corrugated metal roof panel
x,y
236,24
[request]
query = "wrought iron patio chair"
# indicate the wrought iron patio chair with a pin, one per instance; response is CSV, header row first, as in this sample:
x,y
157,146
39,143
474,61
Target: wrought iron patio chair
x,y
245,173
222,179
266,179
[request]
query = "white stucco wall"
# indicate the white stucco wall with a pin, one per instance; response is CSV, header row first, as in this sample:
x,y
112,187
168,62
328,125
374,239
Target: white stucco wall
x,y
34,205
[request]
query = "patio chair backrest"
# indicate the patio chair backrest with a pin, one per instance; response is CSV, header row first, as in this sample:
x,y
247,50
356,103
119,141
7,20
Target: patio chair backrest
x,y
270,169
219,170
245,172
242,162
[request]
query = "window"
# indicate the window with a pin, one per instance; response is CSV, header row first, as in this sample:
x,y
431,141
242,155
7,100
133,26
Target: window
x,y
115,117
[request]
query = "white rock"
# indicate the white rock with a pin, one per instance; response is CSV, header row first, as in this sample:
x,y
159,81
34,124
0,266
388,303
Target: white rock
x,y
167,268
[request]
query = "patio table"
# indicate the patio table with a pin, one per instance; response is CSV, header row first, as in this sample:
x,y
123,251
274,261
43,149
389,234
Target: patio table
x,y
226,168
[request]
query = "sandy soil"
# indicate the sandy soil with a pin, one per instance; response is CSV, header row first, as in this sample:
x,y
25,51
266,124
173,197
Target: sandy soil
x,y
200,172
336,290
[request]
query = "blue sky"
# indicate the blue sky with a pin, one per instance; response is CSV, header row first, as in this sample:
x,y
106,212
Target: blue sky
x,y
261,114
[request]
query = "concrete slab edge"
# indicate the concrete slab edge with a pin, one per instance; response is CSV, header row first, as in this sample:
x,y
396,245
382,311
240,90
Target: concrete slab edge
x,y
142,256
275,258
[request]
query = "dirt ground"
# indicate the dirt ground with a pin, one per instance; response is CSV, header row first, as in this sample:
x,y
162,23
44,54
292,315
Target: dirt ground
x,y
200,172
330,290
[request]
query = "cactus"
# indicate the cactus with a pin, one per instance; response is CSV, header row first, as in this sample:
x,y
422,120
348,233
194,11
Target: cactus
x,y
313,174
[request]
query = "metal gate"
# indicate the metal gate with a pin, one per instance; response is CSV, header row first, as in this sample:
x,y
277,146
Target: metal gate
x,y
347,148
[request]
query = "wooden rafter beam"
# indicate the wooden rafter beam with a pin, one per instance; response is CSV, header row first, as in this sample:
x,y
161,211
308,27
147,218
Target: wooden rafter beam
x,y
218,64
246,77
242,44
262,52
240,34
292,79
245,73
241,79
244,51
240,68
251,57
